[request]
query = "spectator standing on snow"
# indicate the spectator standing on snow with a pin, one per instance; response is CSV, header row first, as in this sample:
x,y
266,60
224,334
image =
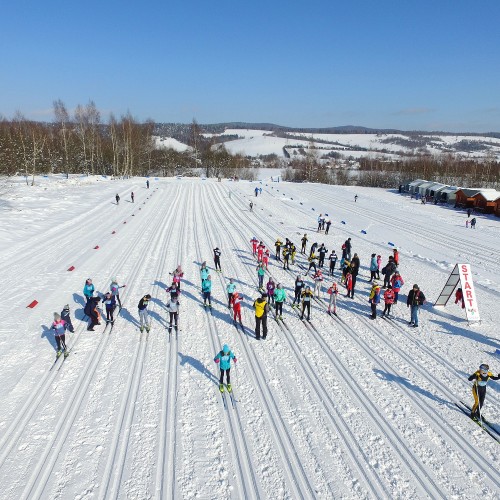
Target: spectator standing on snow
x,y
415,300
373,268
147,184
374,299
473,223
388,271
389,300
397,282
261,309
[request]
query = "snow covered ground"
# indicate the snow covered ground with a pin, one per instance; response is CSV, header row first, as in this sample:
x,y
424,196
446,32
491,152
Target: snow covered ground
x,y
337,408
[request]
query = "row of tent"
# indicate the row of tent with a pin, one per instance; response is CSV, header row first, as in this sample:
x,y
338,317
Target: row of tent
x,y
484,200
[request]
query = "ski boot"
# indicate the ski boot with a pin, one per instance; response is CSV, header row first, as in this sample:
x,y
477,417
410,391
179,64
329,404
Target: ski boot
x,y
66,353
281,317
221,387
229,389
59,352
148,328
141,329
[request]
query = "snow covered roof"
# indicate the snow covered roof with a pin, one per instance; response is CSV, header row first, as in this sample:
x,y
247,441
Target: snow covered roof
x,y
449,189
470,192
426,184
417,182
489,194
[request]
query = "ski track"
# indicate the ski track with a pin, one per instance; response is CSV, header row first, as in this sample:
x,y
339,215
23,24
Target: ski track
x,y
345,408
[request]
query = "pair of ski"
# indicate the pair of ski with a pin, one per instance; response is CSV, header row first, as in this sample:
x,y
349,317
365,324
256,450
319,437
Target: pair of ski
x,y
487,427
224,399
176,328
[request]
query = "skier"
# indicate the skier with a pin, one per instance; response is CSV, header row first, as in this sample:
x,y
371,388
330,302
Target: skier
x,y
237,299
206,288
117,198
480,378
373,268
109,302
304,240
355,198
147,184
92,312
260,251
230,288
178,274
355,264
299,287
473,223
345,266
278,246
388,270
322,251
224,357
320,222
333,260
204,271
270,287
217,254
389,297
286,257
59,326
313,248
132,196
256,191
312,263
459,297
395,254
415,299
348,248
374,299
173,311
260,274
251,207
173,290
254,241
328,224
280,298
333,292
318,280
88,289
307,296
65,316
469,211
261,309
293,252
143,312
379,265
265,258
397,282
349,283
260,190
115,290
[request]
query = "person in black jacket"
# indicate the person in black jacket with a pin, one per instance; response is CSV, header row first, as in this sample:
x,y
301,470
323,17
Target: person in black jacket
x,y
322,251
348,248
217,254
388,270
480,378
415,300
143,312
354,272
92,312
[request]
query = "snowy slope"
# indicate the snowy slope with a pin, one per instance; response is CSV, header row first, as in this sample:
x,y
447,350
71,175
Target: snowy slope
x,y
334,408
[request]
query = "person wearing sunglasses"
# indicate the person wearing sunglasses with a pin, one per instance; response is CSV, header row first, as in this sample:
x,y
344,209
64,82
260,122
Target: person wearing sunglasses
x,y
480,378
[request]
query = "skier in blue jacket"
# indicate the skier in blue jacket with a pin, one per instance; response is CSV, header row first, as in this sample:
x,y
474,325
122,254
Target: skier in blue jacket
x,y
88,289
206,289
224,357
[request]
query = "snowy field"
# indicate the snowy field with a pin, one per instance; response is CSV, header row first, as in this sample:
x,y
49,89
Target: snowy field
x,y
337,408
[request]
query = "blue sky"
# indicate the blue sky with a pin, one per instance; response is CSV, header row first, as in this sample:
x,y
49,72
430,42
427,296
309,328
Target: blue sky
x,y
429,65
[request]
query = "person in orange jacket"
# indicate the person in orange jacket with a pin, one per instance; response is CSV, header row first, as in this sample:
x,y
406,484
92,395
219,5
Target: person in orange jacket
x,y
396,256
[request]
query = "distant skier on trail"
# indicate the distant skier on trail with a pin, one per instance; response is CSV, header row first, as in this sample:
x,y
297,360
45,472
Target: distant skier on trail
x,y
304,241
278,246
224,357
322,251
204,272
328,224
480,378
260,251
230,288
251,207
177,274
115,290
117,198
60,326
143,312
265,258
254,241
173,311
318,282
147,184
217,254
132,196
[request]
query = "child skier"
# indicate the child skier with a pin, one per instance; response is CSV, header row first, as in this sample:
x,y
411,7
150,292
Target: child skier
x,y
480,378
397,282
333,260
312,264
307,296
349,283
59,326
299,287
280,298
173,290
224,357
260,251
230,288
286,257
65,316
217,254
206,288
265,258
115,291
204,272
270,287
373,268
109,302
389,297
260,274
278,246
143,312
304,240
333,292
236,302
254,241
173,311
459,297
88,289
178,274
379,265
318,280
132,196
93,313
374,299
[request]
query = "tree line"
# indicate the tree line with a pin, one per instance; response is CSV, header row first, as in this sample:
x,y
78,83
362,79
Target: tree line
x,y
80,142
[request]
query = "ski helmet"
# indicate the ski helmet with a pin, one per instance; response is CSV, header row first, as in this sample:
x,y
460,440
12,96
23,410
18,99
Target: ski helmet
x,y
484,368
66,307
225,348
57,316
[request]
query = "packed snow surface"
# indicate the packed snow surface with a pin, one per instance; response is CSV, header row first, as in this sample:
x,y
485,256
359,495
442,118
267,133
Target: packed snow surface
x,y
339,407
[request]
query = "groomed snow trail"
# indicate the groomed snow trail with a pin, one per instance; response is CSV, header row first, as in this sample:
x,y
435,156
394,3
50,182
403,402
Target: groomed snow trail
x,y
336,408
